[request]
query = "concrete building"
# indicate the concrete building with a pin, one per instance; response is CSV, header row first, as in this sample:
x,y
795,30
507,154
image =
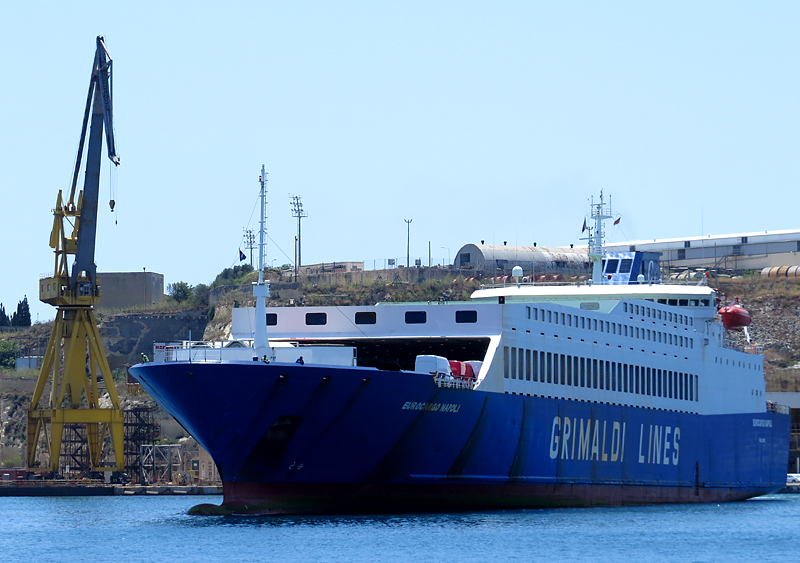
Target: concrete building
x,y
736,252
127,289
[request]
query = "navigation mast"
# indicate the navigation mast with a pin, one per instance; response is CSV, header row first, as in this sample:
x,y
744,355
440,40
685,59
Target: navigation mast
x,y
261,288
599,213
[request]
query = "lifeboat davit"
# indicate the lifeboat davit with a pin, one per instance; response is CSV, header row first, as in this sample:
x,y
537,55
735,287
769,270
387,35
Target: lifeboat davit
x,y
734,316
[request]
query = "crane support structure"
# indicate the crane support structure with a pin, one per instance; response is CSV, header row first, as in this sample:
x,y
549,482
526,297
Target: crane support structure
x,y
81,388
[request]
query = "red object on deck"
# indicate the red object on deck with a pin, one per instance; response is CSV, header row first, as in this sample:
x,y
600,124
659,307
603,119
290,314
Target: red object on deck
x,y
462,370
734,316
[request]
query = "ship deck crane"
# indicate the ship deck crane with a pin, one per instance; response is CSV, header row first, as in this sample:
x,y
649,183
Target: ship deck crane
x,y
75,363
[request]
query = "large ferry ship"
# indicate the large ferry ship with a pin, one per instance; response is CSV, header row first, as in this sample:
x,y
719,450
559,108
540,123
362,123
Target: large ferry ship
x,y
621,391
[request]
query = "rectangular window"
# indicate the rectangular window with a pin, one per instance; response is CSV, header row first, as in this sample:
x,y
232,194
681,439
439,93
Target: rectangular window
x,y
521,362
549,367
583,372
562,370
535,366
506,368
594,374
649,386
272,319
549,316
316,318
555,365
528,364
569,370
601,377
625,377
416,317
366,317
472,316
513,362
636,378
660,379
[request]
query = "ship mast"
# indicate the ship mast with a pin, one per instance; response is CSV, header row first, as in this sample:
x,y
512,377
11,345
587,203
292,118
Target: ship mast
x,y
599,213
261,288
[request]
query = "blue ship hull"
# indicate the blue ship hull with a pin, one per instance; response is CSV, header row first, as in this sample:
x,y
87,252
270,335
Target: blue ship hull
x,y
291,439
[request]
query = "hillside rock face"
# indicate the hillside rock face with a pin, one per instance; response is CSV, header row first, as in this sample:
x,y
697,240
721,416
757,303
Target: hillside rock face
x,y
126,336
775,310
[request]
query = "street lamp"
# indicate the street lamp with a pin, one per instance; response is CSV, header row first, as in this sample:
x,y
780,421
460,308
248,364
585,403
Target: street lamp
x,y
408,243
448,254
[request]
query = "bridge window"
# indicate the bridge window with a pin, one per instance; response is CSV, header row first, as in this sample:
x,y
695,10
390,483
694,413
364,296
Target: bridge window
x,y
416,317
316,318
366,318
472,316
272,319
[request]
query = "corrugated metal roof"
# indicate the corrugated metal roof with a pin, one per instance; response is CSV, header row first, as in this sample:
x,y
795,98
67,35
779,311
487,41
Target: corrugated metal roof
x,y
533,253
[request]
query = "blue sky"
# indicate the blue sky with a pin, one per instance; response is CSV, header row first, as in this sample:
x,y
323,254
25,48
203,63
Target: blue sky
x,y
477,120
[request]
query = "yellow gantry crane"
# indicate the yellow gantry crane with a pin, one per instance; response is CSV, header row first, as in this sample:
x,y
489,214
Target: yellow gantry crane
x,y
75,363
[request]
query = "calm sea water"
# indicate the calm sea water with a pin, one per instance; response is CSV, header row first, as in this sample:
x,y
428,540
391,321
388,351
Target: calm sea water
x,y
158,529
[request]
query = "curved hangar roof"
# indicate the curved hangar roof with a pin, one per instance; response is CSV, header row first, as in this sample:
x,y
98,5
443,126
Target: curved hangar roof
x,y
495,256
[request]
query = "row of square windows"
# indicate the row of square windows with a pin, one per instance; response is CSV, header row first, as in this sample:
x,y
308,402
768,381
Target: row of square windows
x,y
549,367
371,318
668,316
567,319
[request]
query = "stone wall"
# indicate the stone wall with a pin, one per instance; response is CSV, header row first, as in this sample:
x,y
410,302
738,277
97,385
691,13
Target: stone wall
x,y
125,337
128,289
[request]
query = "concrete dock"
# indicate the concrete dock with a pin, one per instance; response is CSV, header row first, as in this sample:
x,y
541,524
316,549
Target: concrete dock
x,y
77,489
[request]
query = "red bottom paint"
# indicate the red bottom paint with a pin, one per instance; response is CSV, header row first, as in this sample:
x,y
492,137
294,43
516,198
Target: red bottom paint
x,y
337,498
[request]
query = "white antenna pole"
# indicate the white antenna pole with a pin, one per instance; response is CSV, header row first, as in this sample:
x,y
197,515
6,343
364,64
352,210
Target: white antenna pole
x,y
600,212
262,233
261,289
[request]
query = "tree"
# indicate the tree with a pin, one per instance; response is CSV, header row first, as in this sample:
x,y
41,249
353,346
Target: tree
x,y
200,294
232,276
180,291
8,354
23,315
4,320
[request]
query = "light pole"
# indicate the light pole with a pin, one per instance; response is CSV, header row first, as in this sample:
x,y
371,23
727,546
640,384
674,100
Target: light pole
x,y
448,254
408,243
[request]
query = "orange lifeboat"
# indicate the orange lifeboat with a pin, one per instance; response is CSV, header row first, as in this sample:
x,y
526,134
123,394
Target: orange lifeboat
x,y
734,316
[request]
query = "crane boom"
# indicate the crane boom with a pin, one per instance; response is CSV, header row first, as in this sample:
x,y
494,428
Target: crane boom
x,y
99,100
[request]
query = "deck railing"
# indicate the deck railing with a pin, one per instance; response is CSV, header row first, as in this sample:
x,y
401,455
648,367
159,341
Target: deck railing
x,y
746,348
453,382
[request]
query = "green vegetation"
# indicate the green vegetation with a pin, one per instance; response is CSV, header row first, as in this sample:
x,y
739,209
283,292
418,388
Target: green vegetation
x,y
21,318
11,462
237,275
181,293
120,375
8,354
